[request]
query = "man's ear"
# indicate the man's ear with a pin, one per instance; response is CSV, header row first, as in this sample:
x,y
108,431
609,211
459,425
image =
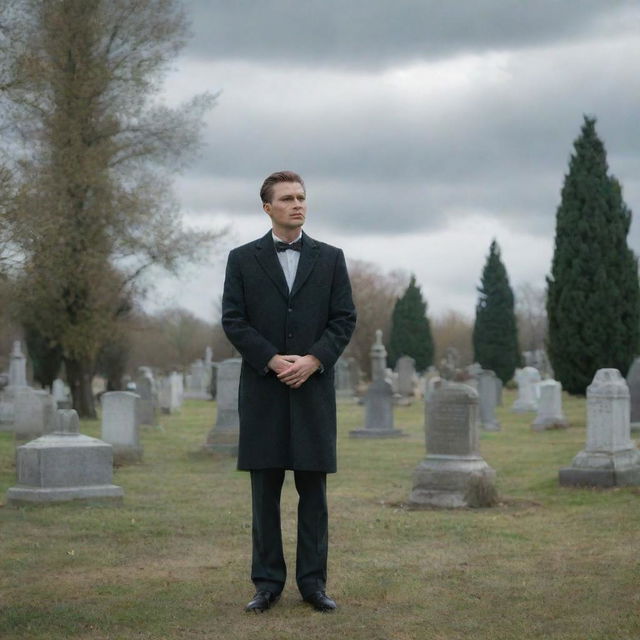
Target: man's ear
x,y
266,206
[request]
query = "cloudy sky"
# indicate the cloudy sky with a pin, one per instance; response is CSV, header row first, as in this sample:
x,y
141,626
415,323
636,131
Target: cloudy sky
x,y
423,128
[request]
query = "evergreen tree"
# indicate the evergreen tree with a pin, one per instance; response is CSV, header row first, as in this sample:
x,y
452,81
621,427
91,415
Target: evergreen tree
x,y
495,333
593,300
410,329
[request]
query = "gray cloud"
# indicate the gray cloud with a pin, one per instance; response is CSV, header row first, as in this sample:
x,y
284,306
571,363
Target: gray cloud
x,y
378,33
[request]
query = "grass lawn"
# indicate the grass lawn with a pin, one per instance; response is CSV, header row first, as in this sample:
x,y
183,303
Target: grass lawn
x,y
173,560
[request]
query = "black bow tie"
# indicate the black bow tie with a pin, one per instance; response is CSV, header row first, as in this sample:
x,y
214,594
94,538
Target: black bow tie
x,y
294,246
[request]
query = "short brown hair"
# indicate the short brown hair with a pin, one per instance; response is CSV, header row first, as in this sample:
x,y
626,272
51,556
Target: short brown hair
x,y
266,191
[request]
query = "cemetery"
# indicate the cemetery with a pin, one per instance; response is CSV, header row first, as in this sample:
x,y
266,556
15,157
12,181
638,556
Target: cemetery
x,y
163,564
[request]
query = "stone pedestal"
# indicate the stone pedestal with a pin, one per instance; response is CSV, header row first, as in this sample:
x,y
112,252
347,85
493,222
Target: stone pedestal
x,y
610,457
121,425
487,400
64,466
224,436
378,401
454,473
550,414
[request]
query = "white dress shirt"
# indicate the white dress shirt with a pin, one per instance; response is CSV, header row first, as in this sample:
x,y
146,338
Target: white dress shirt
x,y
288,260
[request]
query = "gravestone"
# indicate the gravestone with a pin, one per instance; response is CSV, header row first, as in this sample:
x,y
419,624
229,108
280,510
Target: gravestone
x,y
223,437
121,426
198,380
64,465
498,391
342,380
378,400
60,394
148,402
406,370
550,414
355,375
17,366
169,394
610,458
27,412
453,474
487,400
633,382
527,400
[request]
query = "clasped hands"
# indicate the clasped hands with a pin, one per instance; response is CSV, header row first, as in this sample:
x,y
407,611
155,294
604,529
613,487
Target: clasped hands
x,y
294,370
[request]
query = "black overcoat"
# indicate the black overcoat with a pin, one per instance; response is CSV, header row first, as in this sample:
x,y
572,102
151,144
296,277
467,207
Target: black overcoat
x,y
281,427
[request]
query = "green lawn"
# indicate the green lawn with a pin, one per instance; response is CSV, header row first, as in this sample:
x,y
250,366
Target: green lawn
x,y
173,560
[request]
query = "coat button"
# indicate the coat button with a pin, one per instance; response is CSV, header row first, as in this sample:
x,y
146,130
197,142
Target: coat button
x,y
290,335
290,309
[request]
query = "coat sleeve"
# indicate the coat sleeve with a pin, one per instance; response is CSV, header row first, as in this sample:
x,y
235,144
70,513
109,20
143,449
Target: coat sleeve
x,y
254,348
342,317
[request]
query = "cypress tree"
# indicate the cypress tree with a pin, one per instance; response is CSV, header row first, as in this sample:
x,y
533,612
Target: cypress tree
x,y
410,329
495,333
593,300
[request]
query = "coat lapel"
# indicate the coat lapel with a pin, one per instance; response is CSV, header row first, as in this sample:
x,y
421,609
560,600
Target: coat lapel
x,y
308,257
266,256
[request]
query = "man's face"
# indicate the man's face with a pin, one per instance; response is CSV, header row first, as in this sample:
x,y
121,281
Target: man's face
x,y
288,206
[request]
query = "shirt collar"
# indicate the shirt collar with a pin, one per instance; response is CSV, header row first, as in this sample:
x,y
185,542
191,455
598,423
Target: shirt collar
x,y
276,239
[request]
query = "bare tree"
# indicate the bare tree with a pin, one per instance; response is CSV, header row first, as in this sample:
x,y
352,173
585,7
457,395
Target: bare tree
x,y
531,315
453,329
94,208
374,294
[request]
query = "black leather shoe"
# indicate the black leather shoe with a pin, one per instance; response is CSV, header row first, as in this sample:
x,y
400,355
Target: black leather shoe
x,y
262,601
320,601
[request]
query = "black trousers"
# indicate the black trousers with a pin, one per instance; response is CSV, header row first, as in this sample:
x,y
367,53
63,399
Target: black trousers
x,y
268,569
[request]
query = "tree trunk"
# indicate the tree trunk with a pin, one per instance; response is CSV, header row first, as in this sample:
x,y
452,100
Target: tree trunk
x,y
79,376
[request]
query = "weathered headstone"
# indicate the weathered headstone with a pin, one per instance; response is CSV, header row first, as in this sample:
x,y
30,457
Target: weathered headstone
x,y
145,388
64,465
453,474
121,426
378,401
223,437
342,380
487,400
169,394
60,394
610,457
527,400
633,381
17,367
406,370
550,414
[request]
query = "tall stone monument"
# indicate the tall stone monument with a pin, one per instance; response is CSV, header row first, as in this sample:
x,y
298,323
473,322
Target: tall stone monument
x,y
223,437
64,465
453,474
487,400
27,412
378,401
121,425
610,457
550,414
633,382
527,400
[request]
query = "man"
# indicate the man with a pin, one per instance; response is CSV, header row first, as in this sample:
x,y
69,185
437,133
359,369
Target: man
x,y
287,309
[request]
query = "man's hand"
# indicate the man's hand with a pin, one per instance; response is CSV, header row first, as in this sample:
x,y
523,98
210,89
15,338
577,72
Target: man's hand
x,y
297,373
280,363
